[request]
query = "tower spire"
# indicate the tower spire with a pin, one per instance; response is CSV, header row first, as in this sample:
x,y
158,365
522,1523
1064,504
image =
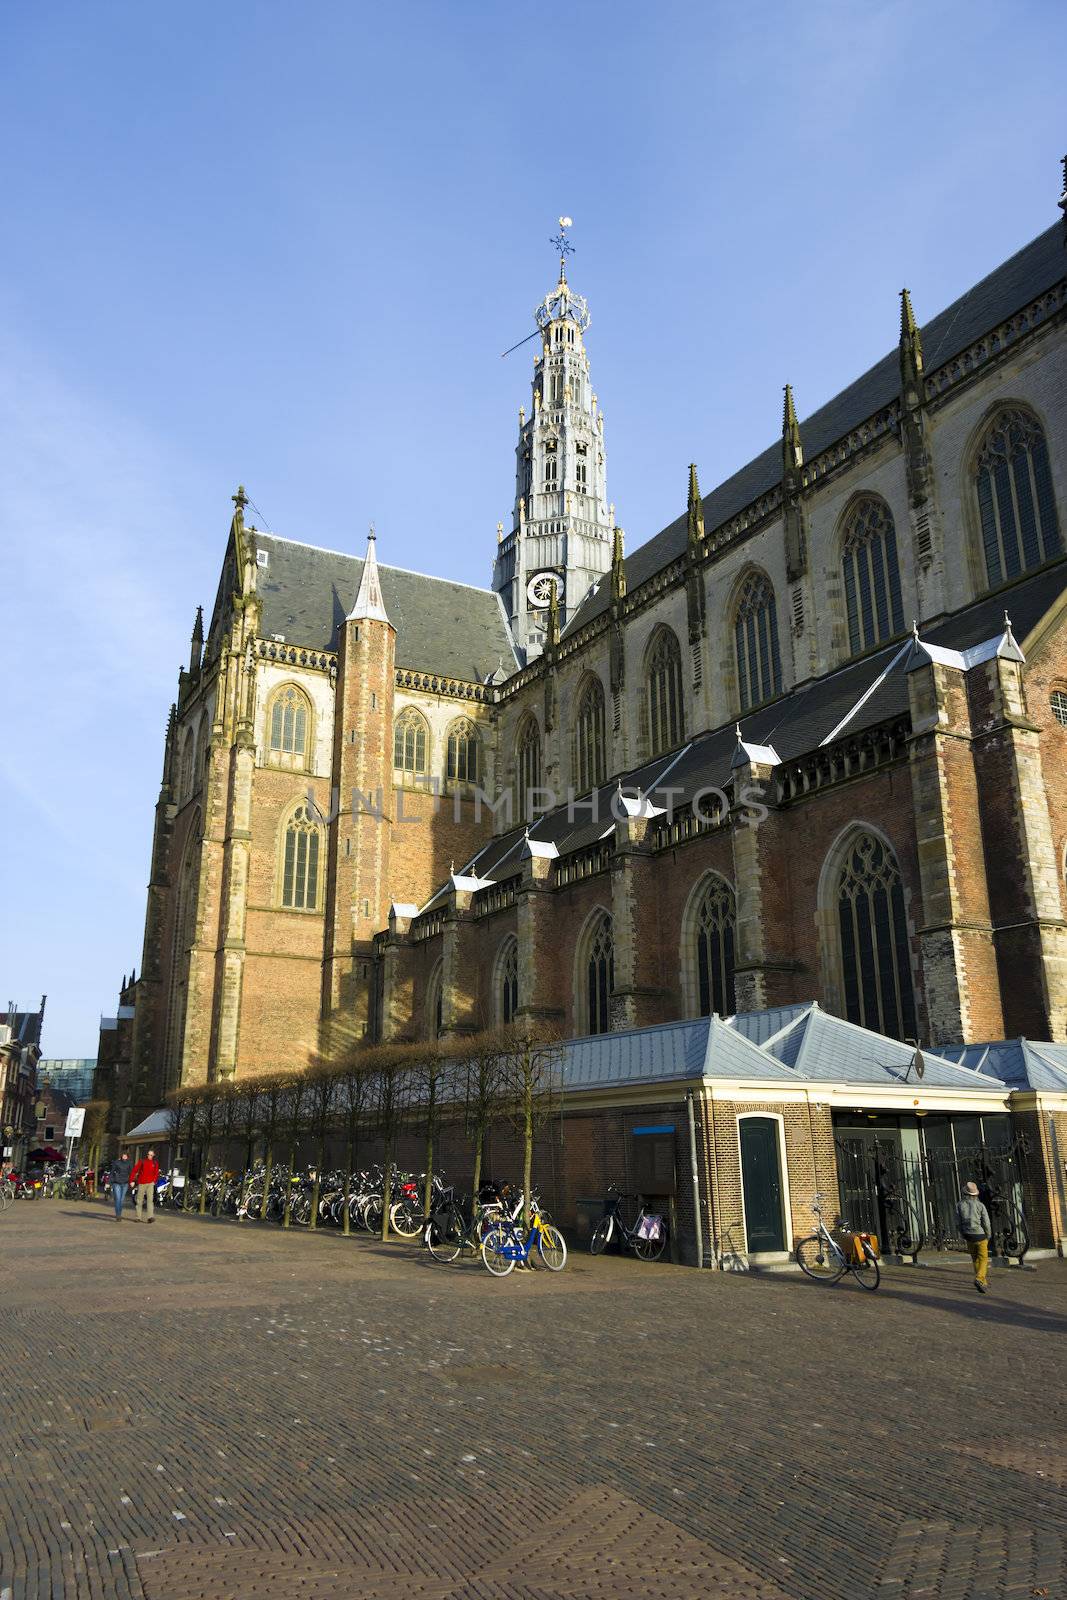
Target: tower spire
x,y
369,605
561,531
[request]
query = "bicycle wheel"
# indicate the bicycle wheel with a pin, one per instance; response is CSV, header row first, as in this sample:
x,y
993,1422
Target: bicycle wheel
x,y
870,1274
818,1260
405,1221
495,1243
552,1247
650,1249
444,1235
601,1236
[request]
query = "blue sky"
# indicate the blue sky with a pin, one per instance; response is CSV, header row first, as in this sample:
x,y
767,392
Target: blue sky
x,y
285,244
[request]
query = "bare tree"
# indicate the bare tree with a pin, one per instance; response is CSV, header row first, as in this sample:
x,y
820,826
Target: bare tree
x,y
295,1104
532,1086
433,1074
482,1068
323,1105
391,1069
271,1102
211,1098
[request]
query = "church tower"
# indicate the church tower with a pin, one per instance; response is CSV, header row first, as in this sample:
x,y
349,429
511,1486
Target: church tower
x,y
561,532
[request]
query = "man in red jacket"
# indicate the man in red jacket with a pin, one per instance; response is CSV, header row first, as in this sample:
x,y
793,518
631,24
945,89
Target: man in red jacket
x,y
144,1175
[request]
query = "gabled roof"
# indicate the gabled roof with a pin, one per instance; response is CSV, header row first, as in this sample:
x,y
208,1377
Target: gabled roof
x,y
450,629
824,1048
704,1048
1022,1063
155,1126
1022,278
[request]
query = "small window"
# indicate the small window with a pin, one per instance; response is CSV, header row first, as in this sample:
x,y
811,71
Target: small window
x,y
410,743
50,1132
463,751
289,723
1059,707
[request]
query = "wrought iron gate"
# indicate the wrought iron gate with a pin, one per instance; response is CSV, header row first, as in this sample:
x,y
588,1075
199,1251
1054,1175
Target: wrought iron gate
x,y
909,1200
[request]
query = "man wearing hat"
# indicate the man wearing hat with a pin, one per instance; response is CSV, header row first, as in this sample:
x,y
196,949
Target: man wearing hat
x,y
973,1219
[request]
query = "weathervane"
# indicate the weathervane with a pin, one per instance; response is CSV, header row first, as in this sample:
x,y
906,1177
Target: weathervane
x,y
561,242
562,302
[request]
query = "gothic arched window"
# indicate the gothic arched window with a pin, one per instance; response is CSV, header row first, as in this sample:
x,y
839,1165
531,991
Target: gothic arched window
x,y
875,961
872,575
464,747
596,975
185,775
663,684
759,666
289,726
589,764
200,759
411,740
507,981
1016,503
527,769
713,929
300,862
435,1017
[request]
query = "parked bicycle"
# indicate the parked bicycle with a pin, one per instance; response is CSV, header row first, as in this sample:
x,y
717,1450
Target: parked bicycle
x,y
504,1247
646,1236
827,1259
452,1229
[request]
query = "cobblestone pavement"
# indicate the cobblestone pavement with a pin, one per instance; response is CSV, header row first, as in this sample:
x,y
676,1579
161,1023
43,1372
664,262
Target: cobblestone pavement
x,y
198,1410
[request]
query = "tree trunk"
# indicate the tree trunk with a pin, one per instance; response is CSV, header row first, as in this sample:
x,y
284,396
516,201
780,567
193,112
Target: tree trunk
x,y
479,1141
387,1189
431,1119
316,1189
527,1151
346,1223
268,1159
289,1185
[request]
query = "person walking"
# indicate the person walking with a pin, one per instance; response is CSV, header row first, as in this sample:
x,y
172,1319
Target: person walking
x,y
144,1175
120,1182
973,1220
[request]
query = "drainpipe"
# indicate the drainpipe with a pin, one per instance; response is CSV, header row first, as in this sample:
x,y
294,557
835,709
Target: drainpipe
x,y
696,1178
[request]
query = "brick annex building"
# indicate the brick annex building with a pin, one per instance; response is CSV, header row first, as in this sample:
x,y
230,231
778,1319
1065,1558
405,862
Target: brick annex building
x,y
784,792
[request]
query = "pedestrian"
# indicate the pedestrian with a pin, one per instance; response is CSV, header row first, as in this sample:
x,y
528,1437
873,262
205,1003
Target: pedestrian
x,y
144,1175
973,1220
120,1181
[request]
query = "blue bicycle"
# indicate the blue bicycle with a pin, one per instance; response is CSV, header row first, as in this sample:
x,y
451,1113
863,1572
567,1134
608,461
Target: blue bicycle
x,y
503,1247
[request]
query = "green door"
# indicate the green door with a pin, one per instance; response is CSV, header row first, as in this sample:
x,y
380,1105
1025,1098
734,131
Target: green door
x,y
761,1181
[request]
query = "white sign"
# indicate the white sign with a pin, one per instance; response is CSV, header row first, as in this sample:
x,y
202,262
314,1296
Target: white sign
x,y
75,1120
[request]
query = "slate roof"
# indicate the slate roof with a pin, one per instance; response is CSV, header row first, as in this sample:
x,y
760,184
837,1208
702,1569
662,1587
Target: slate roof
x,y
25,1025
154,1126
704,1048
450,629
1035,268
1020,1062
796,724
824,1048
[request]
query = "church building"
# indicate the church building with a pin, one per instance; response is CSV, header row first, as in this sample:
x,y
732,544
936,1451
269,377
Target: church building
x,y
806,743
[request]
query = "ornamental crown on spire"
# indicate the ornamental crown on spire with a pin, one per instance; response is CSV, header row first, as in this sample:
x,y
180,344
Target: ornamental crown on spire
x,y
563,304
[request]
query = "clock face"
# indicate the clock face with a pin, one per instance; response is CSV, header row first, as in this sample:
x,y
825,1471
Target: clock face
x,y
539,590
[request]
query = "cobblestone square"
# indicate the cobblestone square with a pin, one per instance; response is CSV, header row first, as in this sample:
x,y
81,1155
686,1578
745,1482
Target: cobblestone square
x,y
205,1411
